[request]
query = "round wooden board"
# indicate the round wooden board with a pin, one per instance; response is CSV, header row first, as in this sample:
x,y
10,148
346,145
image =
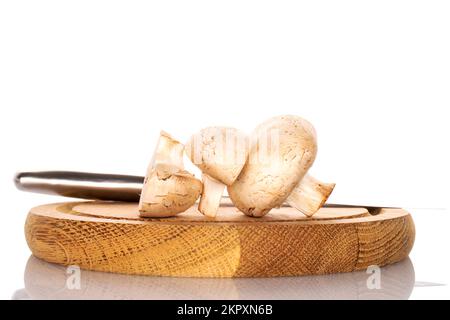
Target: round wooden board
x,y
110,236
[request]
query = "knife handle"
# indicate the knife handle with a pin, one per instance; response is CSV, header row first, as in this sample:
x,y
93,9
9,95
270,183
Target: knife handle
x,y
84,185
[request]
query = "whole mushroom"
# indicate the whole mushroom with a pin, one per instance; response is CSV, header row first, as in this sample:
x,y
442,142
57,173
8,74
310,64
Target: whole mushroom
x,y
168,189
220,153
282,149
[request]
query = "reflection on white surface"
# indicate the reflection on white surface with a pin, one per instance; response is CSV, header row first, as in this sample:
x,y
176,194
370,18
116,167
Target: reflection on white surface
x,y
49,281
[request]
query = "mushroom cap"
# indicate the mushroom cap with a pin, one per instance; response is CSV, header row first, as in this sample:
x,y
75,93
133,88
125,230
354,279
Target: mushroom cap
x,y
168,193
219,152
282,149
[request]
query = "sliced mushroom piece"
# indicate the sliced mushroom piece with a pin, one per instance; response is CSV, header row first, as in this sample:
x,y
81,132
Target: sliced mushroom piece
x,y
282,150
168,189
220,153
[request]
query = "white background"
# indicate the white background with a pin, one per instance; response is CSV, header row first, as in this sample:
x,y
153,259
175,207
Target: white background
x,y
87,85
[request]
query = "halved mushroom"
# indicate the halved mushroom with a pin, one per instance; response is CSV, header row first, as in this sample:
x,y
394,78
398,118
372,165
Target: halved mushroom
x,y
168,189
220,153
282,149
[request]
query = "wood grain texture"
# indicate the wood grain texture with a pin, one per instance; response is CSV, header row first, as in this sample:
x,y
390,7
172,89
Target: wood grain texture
x,y
110,236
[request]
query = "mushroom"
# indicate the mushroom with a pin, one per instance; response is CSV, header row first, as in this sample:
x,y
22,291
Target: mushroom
x,y
220,153
282,149
168,189
310,195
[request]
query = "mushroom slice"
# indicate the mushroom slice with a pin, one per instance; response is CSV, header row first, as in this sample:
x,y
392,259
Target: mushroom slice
x,y
310,195
168,188
220,153
282,150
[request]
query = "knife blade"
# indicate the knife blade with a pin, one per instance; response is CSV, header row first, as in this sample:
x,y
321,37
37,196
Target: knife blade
x,y
104,186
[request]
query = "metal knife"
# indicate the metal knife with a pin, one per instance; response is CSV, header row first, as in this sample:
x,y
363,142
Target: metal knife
x,y
100,186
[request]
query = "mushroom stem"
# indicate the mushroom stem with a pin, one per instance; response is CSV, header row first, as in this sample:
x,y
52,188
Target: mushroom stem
x,y
310,195
211,196
168,152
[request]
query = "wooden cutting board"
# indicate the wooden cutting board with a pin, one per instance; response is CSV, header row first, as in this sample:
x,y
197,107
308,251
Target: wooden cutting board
x,y
110,236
